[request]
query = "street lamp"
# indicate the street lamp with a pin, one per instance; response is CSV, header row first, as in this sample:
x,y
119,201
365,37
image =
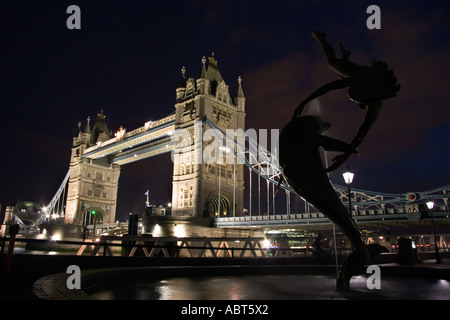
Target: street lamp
x,y
348,178
430,205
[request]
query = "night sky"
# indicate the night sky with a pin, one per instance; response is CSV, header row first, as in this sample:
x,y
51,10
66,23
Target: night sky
x,y
126,60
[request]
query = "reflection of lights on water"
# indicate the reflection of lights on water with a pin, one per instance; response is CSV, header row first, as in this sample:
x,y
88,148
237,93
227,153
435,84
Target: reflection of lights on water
x,y
277,287
165,292
176,289
443,283
235,291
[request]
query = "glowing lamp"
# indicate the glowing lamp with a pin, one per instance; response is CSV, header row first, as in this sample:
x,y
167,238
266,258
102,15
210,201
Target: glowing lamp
x,y
348,176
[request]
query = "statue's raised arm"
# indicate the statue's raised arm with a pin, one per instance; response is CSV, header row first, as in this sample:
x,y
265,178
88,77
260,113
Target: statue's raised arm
x,y
367,86
300,140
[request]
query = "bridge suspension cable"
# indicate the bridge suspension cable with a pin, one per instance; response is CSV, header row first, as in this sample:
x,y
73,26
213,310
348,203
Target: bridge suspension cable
x,y
56,206
264,163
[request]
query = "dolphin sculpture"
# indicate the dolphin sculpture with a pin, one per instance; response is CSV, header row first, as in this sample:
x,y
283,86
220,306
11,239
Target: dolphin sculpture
x,y
299,142
367,86
303,170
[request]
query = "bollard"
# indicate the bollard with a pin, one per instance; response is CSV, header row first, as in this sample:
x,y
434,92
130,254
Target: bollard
x,y
13,230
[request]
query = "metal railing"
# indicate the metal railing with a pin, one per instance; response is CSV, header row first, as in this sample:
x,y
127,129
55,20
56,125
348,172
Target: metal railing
x,y
168,246
201,247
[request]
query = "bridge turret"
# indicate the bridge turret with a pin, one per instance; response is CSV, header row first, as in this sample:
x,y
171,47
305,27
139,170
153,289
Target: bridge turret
x,y
93,183
203,189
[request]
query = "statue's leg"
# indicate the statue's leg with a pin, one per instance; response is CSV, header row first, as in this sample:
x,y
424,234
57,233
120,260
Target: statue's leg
x,y
335,85
343,67
327,48
345,53
352,266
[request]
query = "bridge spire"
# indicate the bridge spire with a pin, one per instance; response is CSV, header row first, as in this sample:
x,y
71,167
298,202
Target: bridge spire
x,y
181,89
182,83
212,60
88,125
240,98
240,93
203,72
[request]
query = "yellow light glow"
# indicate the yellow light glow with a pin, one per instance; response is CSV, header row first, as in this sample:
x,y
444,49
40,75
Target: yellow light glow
x,y
180,231
56,237
120,134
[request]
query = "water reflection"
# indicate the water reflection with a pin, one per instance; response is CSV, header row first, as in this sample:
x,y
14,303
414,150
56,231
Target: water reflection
x,y
273,287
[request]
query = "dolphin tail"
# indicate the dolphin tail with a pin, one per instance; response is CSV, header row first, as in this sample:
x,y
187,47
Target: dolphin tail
x,y
356,261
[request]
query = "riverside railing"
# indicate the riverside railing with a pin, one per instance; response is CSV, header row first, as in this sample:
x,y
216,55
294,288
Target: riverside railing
x,y
147,246
168,246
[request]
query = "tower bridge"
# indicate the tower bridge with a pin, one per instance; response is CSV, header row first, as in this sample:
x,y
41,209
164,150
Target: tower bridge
x,y
204,111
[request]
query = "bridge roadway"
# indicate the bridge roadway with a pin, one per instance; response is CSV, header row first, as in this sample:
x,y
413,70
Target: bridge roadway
x,y
371,216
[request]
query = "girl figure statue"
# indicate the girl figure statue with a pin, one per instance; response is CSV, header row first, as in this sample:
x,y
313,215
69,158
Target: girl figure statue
x,y
368,86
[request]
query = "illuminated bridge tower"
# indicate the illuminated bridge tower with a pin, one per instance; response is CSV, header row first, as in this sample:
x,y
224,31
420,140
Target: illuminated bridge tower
x,y
93,183
201,189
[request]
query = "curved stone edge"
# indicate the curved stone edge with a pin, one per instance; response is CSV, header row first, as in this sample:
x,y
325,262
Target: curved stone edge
x,y
54,287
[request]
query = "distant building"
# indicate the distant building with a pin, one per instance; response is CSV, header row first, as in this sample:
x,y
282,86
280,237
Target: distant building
x,y
153,210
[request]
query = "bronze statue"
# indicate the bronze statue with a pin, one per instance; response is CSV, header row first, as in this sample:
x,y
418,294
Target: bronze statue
x,y
300,139
368,86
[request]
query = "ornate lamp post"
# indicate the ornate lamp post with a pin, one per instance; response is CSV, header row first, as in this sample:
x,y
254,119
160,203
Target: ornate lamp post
x,y
430,205
348,178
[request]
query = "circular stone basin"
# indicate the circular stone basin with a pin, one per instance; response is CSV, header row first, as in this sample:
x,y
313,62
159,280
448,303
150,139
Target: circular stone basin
x,y
240,283
270,287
